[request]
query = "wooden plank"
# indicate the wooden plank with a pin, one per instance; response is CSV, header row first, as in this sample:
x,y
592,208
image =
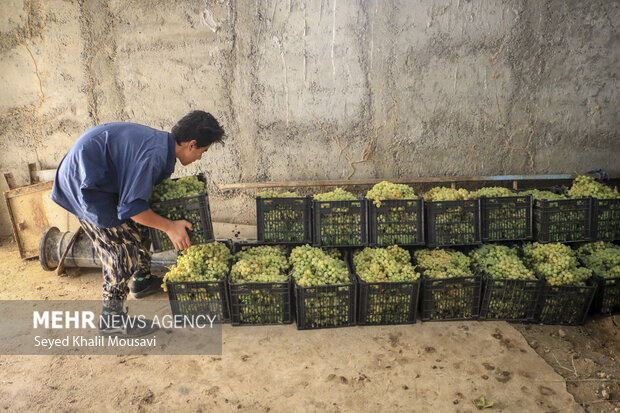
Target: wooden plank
x,y
10,181
31,211
353,182
30,189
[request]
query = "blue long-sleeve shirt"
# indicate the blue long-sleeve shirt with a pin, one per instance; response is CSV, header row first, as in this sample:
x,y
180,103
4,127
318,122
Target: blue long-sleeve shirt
x,y
108,175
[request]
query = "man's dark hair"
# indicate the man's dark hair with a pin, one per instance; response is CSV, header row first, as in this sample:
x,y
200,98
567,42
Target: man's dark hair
x,y
198,125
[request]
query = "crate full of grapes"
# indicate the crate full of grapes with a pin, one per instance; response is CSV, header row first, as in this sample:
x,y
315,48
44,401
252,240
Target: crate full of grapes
x,y
283,218
389,286
560,218
452,218
450,289
196,284
603,258
395,215
606,219
567,291
510,289
504,216
605,224
260,286
339,220
325,288
182,198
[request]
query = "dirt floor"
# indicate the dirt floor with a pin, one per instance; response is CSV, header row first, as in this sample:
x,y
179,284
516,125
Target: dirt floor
x,y
423,367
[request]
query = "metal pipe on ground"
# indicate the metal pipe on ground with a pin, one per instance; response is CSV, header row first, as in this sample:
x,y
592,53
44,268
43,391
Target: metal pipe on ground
x,y
82,253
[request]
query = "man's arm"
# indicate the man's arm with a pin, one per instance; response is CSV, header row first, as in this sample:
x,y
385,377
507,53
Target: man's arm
x,y
174,229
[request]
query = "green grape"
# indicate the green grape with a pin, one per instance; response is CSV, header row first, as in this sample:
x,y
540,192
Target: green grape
x,y
443,263
441,193
557,263
385,191
180,188
490,192
585,186
603,258
500,262
274,194
262,264
543,195
337,194
207,262
390,264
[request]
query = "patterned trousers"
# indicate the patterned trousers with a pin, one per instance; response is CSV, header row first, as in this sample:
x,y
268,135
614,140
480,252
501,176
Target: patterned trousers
x,y
124,252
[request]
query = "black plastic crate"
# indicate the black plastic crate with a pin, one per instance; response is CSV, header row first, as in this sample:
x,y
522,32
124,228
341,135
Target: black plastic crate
x,y
260,303
446,299
326,306
506,218
606,219
396,222
452,223
385,303
510,300
284,220
563,220
340,223
565,305
607,297
194,209
207,298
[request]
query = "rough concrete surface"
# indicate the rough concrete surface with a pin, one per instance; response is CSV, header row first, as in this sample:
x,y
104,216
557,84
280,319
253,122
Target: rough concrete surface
x,y
319,89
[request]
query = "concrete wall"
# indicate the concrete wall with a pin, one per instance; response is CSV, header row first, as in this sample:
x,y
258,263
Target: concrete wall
x,y
319,89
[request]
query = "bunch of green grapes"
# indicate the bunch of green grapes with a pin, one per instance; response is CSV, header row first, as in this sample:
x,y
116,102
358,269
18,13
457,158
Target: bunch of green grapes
x,y
386,190
337,194
603,258
180,188
443,263
275,194
543,195
168,190
442,193
314,267
500,262
262,264
491,192
207,262
557,263
585,186
391,264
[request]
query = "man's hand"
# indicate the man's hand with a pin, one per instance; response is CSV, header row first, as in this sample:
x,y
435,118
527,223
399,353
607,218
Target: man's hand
x,y
174,229
178,235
